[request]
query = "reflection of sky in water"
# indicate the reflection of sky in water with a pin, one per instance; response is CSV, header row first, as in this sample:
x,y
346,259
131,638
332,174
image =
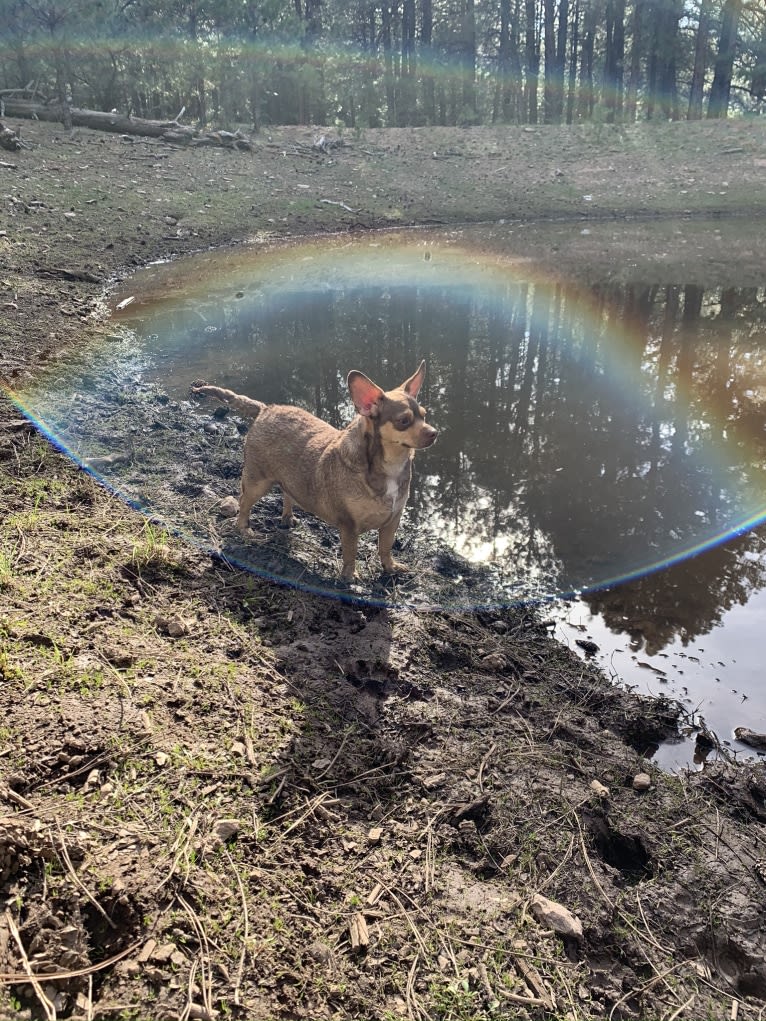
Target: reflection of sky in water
x,y
585,437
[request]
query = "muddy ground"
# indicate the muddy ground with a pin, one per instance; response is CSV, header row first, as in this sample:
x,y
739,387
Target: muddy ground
x,y
226,798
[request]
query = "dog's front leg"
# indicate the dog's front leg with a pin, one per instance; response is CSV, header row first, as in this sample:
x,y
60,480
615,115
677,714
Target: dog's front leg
x,y
385,542
349,540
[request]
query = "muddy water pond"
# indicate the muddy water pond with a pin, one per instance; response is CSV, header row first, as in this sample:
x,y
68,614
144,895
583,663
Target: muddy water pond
x,y
601,445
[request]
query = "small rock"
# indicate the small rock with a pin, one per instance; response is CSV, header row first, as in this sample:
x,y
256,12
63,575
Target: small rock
x,y
118,657
555,916
146,951
173,626
494,661
128,968
177,628
375,835
320,952
751,738
163,953
642,782
598,788
589,648
228,507
196,1012
225,829
238,748
162,758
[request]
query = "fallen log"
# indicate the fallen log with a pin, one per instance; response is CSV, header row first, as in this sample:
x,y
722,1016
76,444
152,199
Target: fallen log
x,y
98,120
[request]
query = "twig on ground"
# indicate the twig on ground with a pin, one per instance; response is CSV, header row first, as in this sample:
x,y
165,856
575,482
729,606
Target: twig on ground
x,y
679,1010
245,929
203,958
64,854
14,978
45,1003
482,767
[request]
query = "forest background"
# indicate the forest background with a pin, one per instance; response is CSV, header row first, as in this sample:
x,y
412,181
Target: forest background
x,y
402,63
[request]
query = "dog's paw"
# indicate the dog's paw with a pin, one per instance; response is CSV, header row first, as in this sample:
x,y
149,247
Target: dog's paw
x,y
394,567
248,535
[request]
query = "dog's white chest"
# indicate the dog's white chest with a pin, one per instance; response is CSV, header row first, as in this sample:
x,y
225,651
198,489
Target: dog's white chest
x,y
394,496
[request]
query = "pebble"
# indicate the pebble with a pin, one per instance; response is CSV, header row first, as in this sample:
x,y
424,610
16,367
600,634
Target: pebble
x,y
228,507
494,661
555,916
174,626
598,788
164,952
642,782
225,829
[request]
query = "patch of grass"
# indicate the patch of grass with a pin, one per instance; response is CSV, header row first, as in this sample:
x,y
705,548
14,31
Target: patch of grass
x,y
152,546
7,558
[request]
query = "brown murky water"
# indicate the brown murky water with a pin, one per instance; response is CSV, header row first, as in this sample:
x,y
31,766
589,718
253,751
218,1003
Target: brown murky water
x,y
605,442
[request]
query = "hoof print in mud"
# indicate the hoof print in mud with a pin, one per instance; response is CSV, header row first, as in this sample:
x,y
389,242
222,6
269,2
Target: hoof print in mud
x,y
624,852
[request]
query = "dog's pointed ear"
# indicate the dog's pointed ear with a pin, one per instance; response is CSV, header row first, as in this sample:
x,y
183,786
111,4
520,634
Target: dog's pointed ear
x,y
364,393
412,385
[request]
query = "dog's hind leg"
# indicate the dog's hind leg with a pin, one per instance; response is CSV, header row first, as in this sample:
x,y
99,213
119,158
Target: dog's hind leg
x,y
287,520
252,491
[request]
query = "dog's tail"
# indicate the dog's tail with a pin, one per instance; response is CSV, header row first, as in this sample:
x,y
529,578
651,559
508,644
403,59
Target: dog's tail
x,y
245,406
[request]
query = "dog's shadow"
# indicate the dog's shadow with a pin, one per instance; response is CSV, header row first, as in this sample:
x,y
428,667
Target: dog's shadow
x,y
345,679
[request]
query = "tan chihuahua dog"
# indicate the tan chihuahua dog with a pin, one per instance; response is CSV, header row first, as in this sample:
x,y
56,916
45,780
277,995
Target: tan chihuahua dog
x,y
357,478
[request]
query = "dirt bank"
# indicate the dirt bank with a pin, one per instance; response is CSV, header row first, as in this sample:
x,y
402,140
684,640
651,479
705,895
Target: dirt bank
x,y
225,798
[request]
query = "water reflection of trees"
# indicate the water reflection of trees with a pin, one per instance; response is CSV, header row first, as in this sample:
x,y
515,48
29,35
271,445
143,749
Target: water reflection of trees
x,y
590,436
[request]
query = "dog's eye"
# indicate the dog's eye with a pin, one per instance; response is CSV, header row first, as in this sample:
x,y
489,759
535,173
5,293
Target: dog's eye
x,y
404,421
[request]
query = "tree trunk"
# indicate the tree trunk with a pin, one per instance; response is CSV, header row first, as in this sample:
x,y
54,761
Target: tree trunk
x,y
718,104
662,89
503,107
585,105
388,62
573,53
533,61
407,105
614,59
549,49
636,53
700,63
427,73
468,60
